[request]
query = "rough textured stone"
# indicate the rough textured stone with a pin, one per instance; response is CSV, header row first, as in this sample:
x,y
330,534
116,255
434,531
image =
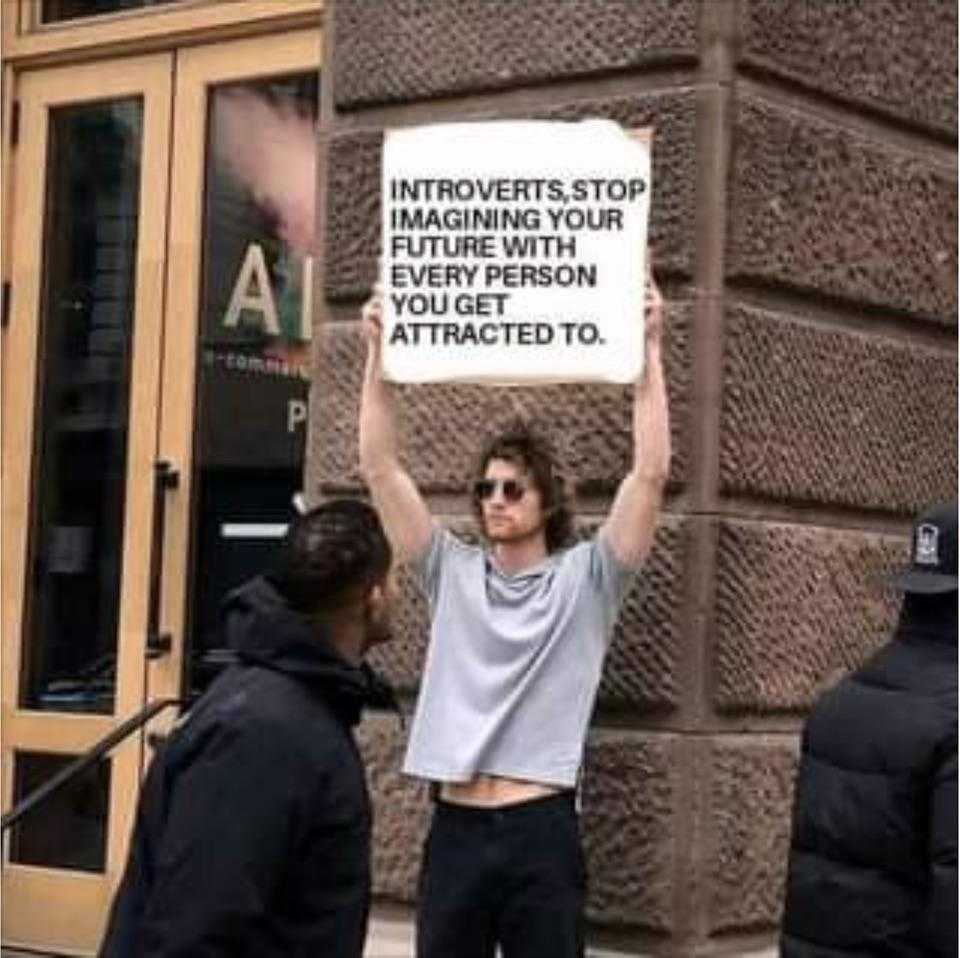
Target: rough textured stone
x,y
401,659
401,810
352,240
750,800
398,50
641,670
630,789
590,425
794,606
895,56
817,415
819,208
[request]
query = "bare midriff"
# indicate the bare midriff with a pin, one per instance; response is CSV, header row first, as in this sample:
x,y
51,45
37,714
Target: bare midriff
x,y
492,791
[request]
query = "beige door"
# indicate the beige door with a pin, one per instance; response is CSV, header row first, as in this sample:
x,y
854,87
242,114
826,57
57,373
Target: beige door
x,y
81,394
239,281
159,313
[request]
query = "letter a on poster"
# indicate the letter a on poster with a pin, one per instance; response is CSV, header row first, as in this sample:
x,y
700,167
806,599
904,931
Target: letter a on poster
x,y
514,252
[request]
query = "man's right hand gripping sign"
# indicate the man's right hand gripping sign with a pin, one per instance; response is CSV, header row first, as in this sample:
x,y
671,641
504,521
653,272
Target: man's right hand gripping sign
x,y
520,626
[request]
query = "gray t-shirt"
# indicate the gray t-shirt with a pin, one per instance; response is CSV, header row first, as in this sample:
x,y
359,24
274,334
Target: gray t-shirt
x,y
513,663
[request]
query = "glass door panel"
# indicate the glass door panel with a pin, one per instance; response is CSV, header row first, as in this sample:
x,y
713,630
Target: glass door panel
x,y
85,346
82,356
71,831
236,416
254,371
53,11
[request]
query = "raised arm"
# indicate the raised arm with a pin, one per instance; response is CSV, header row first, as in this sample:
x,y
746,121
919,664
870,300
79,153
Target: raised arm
x,y
403,512
630,527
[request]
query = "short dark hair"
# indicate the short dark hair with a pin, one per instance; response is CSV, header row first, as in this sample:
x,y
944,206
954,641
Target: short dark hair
x,y
330,556
522,444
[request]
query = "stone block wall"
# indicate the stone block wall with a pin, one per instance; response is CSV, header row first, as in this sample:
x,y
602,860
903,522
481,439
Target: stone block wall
x,y
805,230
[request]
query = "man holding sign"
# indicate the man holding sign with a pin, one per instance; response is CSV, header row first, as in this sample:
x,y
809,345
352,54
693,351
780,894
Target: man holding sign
x,y
519,631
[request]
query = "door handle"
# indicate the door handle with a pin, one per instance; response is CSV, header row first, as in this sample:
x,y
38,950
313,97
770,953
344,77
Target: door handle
x,y
165,478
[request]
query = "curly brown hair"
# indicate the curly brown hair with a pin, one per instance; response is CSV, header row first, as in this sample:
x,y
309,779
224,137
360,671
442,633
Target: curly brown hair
x,y
530,450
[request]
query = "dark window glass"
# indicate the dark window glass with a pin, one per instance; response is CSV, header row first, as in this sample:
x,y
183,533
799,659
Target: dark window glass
x,y
55,10
254,369
69,830
90,240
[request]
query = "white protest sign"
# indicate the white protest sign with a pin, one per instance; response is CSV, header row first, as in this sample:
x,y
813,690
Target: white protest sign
x,y
515,252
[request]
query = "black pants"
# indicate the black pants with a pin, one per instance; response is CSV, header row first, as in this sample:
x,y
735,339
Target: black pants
x,y
510,876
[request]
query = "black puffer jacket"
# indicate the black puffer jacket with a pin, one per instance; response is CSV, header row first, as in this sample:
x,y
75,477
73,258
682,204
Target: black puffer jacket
x,y
873,862
253,832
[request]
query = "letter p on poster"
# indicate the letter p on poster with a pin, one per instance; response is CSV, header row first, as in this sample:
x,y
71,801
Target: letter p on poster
x,y
515,252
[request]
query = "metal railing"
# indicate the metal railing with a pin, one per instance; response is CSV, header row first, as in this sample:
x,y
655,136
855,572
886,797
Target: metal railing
x,y
93,755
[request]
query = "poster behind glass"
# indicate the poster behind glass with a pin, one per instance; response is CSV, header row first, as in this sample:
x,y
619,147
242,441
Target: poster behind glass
x,y
254,363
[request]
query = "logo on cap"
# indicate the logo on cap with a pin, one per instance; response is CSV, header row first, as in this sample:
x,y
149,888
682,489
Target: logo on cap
x,y
928,545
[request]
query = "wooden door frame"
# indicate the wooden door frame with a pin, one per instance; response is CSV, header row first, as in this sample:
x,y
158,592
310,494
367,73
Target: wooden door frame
x,y
27,42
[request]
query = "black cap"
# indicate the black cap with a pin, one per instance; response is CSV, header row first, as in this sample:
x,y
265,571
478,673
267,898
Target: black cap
x,y
933,551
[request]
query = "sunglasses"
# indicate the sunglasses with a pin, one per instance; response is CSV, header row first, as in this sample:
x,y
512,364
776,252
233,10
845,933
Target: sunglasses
x,y
484,489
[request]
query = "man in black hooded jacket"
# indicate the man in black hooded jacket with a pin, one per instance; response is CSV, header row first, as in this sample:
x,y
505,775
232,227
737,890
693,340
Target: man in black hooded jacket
x,y
253,831
873,860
